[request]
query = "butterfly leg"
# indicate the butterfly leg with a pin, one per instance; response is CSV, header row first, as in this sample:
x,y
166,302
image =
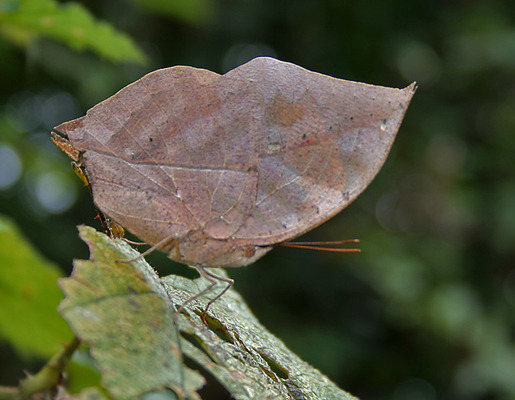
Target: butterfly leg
x,y
213,279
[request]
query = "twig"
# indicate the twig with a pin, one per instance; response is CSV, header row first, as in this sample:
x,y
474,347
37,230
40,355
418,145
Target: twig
x,y
45,379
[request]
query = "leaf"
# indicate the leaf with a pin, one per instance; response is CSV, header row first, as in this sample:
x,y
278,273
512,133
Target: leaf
x,y
240,353
125,313
89,394
29,296
24,20
197,12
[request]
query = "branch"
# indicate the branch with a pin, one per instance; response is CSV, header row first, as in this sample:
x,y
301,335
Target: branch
x,y
47,378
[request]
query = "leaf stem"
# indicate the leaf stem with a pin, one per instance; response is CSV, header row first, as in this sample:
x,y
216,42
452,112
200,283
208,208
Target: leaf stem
x,y
45,379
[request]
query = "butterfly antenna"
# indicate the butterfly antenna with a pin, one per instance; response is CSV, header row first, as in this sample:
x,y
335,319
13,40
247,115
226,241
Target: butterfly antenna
x,y
322,246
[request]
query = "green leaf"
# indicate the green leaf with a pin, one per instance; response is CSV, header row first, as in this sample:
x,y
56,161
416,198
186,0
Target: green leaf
x,y
240,353
197,12
24,20
88,394
29,297
125,313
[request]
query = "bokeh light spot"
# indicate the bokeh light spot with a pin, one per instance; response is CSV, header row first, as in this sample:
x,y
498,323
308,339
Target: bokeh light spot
x,y
10,166
54,192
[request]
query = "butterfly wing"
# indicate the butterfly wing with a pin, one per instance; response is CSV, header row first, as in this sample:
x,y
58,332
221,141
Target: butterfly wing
x,y
321,141
250,158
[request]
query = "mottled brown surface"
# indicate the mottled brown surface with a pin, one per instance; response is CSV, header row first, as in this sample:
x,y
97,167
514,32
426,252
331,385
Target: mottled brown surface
x,y
228,165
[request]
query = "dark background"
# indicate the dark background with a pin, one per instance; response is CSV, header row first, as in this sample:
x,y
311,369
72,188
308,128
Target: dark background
x,y
426,311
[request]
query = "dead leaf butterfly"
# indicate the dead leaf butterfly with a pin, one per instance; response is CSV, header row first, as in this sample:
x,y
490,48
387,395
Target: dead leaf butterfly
x,y
217,169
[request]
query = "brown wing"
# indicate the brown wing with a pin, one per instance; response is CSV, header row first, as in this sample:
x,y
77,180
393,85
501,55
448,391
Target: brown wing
x,y
256,156
170,153
320,143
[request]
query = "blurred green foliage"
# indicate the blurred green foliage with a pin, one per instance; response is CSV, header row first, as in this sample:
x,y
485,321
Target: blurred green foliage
x,y
24,20
29,297
427,310
195,12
